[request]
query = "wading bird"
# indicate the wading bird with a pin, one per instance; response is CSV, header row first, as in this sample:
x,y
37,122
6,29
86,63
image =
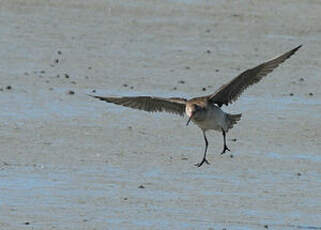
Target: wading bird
x,y
205,111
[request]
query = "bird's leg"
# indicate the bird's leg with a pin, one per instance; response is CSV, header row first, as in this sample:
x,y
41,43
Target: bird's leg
x,y
204,157
225,147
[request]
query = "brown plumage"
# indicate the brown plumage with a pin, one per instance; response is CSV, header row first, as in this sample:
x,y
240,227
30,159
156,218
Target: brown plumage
x,y
203,110
231,91
150,104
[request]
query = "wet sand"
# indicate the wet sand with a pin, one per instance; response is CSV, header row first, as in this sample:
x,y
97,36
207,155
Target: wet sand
x,y
68,161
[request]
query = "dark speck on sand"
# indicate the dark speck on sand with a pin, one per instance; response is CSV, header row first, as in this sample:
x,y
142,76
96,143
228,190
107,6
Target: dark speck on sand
x,y
71,92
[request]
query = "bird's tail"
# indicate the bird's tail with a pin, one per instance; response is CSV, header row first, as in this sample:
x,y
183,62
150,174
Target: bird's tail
x,y
232,119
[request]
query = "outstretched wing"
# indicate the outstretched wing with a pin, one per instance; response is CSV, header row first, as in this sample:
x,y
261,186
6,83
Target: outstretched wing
x,y
232,90
149,104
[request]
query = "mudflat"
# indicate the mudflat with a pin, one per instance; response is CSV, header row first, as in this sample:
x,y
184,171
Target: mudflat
x,y
68,161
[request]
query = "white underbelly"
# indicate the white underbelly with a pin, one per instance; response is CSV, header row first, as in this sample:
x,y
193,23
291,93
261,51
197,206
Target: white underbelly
x,y
213,119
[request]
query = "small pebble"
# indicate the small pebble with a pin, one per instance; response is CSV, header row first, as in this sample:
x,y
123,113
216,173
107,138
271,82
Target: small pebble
x,y
310,94
266,226
57,61
208,51
234,139
231,156
42,71
125,85
184,158
58,76
301,79
93,91
59,52
291,94
204,89
66,75
208,30
125,198
73,82
187,67
217,70
181,82
174,88
132,87
26,223
89,67
70,92
298,174
141,186
8,87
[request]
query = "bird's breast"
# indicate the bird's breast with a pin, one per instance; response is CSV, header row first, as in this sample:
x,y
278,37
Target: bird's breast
x,y
212,118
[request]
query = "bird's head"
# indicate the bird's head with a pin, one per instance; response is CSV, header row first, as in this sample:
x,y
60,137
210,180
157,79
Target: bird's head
x,y
192,110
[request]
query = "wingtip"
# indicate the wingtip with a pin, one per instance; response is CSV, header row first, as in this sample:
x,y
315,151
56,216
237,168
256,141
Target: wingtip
x,y
94,96
295,49
91,95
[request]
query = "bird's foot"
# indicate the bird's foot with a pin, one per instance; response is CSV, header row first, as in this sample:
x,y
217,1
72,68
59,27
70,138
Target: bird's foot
x,y
202,162
224,150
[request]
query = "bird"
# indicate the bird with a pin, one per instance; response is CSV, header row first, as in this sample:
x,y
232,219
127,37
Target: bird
x,y
205,111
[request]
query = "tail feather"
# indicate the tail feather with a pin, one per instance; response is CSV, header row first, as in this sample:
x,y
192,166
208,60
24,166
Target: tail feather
x,y
232,119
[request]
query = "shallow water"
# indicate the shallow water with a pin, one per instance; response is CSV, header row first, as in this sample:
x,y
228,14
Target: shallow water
x,y
37,190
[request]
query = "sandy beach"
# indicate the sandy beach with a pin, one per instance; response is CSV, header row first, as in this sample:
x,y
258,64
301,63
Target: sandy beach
x,y
68,161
